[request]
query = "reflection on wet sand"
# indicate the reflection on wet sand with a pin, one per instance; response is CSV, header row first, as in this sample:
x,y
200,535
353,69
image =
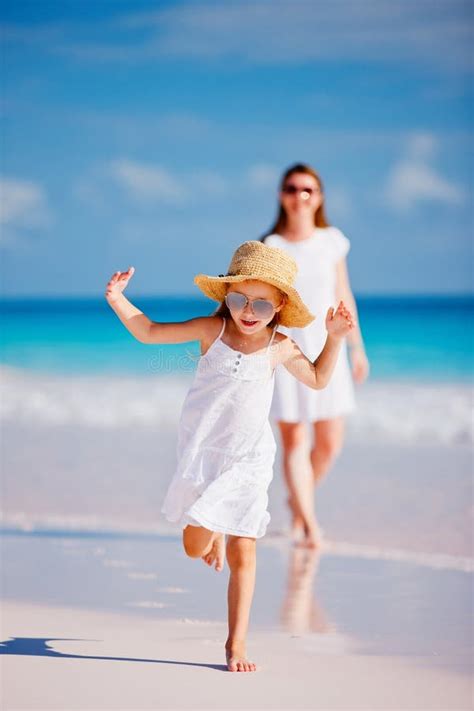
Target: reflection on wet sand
x,y
300,611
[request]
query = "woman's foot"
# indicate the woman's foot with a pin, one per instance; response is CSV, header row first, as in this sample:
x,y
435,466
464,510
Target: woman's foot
x,y
237,660
308,535
297,528
217,553
313,537
297,531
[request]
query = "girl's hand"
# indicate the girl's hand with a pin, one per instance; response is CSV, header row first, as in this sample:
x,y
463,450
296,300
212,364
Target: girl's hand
x,y
339,322
117,284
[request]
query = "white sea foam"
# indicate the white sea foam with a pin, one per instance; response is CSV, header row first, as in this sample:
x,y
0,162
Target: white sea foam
x,y
194,621
70,524
142,576
83,525
109,563
387,411
360,550
96,401
151,604
430,560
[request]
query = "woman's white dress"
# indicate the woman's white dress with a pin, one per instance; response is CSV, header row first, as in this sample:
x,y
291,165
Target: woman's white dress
x,y
316,257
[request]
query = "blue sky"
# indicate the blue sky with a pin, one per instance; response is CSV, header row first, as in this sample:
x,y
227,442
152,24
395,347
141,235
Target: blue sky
x,y
154,135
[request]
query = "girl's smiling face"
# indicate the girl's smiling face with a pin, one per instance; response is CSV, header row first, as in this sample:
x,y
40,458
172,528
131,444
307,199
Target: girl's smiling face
x,y
245,320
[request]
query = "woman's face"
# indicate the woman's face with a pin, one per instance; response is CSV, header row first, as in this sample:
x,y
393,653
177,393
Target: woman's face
x,y
300,194
245,320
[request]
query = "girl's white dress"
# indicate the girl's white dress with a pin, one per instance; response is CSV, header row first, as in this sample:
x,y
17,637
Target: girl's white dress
x,y
226,446
316,258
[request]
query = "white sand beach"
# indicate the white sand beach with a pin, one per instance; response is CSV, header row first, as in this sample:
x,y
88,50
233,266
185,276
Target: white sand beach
x,y
101,609
111,661
97,622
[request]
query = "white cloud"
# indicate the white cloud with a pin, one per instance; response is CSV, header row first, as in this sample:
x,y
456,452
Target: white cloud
x,y
148,183
277,32
290,32
207,182
151,183
264,176
422,146
23,206
413,179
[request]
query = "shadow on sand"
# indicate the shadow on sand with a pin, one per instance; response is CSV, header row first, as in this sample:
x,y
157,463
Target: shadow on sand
x,y
38,647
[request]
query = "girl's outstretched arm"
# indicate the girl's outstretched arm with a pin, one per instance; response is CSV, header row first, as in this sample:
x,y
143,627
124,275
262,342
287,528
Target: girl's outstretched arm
x,y
144,329
316,374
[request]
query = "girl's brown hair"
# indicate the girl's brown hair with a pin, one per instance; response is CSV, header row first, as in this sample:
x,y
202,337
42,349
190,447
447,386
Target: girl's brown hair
x,y
320,219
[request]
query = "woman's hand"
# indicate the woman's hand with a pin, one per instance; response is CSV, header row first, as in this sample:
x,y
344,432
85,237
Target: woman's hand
x,y
360,364
339,322
117,283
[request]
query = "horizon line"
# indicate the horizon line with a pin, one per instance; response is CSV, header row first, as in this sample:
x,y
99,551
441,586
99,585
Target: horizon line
x,y
203,298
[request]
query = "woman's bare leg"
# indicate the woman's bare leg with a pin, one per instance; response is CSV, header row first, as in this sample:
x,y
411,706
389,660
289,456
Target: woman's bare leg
x,y
299,479
200,542
328,440
241,557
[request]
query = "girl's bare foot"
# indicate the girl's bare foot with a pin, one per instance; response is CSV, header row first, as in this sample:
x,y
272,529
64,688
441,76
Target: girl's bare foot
x,y
217,553
237,659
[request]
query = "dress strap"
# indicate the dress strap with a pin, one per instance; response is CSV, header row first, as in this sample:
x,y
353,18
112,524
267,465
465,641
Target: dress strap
x,y
271,339
222,329
218,337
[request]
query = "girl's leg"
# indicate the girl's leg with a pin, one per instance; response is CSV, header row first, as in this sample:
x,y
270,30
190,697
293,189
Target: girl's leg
x,y
299,479
241,557
328,440
200,542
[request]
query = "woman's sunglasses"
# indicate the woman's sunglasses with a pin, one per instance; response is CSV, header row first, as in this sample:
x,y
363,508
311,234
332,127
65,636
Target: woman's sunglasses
x,y
261,308
291,189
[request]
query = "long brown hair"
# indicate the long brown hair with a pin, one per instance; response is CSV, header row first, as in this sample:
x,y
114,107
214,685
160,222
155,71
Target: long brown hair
x,y
320,219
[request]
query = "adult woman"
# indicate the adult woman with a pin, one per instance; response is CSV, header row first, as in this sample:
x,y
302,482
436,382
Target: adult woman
x,y
320,251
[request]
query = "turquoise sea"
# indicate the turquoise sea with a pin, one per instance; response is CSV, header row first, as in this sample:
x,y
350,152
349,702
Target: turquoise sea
x,y
421,338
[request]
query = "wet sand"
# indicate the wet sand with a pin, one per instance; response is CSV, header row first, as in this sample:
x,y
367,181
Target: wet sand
x,y
112,622
386,495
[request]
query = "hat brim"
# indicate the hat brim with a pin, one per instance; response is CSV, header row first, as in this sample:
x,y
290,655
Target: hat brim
x,y
294,314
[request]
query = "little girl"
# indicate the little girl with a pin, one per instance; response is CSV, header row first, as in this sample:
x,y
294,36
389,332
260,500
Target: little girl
x,y
226,446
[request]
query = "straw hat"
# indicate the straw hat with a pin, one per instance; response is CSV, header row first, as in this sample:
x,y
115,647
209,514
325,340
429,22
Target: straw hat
x,y
255,260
